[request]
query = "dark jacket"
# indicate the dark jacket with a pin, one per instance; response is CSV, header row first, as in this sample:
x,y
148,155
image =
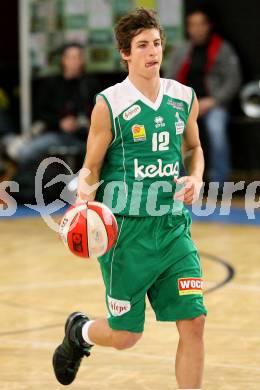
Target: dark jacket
x,y
222,69
58,97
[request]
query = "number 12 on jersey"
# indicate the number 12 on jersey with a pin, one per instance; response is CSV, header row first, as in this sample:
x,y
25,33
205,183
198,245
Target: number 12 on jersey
x,y
160,141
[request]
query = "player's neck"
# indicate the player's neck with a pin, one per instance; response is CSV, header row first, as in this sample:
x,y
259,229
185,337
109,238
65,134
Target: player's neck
x,y
149,87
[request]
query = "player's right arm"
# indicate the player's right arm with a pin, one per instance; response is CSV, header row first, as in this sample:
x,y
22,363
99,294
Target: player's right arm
x,y
99,138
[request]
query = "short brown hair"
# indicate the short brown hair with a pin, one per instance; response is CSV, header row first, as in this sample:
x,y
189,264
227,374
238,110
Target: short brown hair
x,y
132,24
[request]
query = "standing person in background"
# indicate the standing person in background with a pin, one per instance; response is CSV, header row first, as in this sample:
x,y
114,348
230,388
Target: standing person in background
x,y
136,135
208,63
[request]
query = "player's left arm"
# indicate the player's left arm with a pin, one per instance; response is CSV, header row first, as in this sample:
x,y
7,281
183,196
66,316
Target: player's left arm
x,y
193,160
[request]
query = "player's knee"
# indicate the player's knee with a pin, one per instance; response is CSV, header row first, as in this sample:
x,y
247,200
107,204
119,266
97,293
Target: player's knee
x,y
197,326
192,329
124,340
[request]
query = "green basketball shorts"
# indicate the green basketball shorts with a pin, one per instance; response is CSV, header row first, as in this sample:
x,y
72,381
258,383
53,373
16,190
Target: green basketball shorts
x,y
153,257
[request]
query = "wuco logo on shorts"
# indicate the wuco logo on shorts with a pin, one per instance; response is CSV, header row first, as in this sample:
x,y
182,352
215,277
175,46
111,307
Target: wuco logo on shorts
x,y
190,286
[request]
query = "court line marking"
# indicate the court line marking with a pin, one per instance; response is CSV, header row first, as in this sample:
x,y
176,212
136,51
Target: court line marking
x,y
230,271
30,330
98,281
54,284
235,286
210,327
95,282
47,345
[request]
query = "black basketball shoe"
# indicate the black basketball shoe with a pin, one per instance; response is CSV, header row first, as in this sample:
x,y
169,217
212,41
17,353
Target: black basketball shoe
x,y
67,357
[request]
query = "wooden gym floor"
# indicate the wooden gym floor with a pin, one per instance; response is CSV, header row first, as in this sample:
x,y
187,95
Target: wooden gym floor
x,y
41,283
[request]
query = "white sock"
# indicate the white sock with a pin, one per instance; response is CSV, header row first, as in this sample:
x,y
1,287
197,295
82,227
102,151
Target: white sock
x,y
85,329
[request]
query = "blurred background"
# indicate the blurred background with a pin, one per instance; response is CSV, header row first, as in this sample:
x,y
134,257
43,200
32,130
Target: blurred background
x,y
34,33
55,55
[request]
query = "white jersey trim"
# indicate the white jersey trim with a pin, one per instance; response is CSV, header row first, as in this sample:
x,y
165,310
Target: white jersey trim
x,y
123,95
119,97
123,155
139,96
113,255
113,124
176,90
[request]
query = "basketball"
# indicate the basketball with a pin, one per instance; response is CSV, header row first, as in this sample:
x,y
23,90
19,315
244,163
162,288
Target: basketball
x,y
88,229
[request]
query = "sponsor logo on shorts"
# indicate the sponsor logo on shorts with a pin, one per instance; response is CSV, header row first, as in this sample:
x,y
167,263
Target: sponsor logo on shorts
x,y
139,133
131,112
117,307
190,286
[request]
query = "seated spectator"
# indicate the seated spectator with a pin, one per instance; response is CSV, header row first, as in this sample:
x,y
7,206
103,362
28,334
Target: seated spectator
x,y
7,130
209,64
63,107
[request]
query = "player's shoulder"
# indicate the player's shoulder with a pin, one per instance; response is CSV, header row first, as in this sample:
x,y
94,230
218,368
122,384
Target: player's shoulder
x,y
101,105
118,97
176,90
114,92
107,98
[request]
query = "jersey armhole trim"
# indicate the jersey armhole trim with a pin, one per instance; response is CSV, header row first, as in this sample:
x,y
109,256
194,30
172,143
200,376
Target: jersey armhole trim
x,y
111,117
192,99
190,107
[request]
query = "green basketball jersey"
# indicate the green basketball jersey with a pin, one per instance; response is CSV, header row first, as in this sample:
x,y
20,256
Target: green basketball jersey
x,y
145,154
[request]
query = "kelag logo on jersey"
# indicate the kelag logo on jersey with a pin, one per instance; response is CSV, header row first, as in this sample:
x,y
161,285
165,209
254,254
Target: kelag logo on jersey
x,y
131,112
139,133
153,170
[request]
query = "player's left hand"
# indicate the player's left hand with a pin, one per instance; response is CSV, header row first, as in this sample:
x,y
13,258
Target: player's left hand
x,y
190,189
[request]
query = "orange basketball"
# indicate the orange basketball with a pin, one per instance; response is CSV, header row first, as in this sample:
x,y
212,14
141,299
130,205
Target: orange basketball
x,y
88,229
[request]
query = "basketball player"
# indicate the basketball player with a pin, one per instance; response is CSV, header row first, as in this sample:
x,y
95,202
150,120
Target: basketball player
x,y
137,132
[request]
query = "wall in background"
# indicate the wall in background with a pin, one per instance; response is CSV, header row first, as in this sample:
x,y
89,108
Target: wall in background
x,y
9,32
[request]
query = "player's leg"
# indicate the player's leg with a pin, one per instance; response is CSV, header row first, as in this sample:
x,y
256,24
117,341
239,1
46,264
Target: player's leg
x,y
80,336
186,308
68,355
184,305
126,287
176,296
99,332
190,353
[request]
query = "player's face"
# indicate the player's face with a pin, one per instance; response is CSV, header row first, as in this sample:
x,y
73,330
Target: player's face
x,y
198,28
146,53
